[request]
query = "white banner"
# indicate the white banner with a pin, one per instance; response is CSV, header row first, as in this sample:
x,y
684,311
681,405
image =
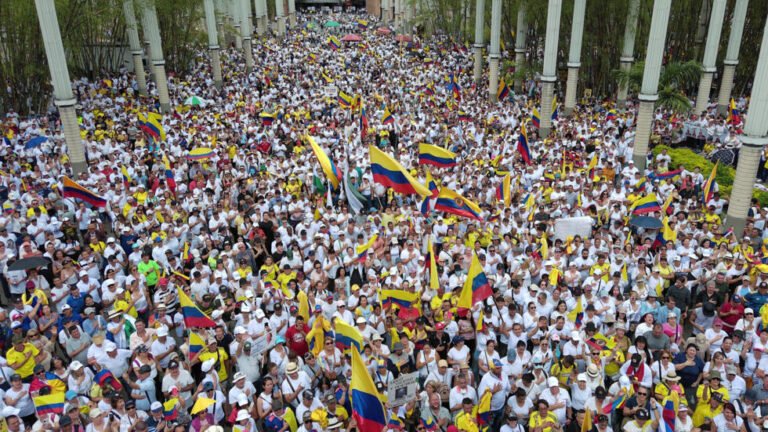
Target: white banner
x,y
565,227
403,389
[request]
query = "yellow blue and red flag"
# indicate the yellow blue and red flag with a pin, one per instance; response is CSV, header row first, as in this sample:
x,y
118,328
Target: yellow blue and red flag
x,y
646,204
367,409
503,90
504,190
193,315
536,118
170,179
436,156
387,117
709,185
388,172
347,337
196,344
522,145
334,42
476,287
362,250
49,404
452,202
72,189
330,169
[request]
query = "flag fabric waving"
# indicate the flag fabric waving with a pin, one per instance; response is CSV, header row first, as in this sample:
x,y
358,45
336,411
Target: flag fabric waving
x,y
669,408
476,287
436,156
431,264
522,145
329,168
709,186
334,42
387,117
535,118
453,203
362,250
193,316
646,204
196,344
49,404
504,190
74,190
503,91
388,172
347,337
170,179
367,409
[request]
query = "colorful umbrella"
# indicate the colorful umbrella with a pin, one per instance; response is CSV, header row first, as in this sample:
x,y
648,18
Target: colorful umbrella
x,y
35,142
403,38
331,24
383,31
202,403
194,101
200,153
352,38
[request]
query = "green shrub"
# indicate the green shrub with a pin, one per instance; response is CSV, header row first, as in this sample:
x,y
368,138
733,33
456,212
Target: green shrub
x,y
725,173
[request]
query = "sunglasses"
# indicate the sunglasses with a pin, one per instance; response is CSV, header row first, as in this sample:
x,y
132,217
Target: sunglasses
x,y
665,357
642,394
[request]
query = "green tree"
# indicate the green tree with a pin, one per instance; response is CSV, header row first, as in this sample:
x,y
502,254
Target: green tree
x,y
674,79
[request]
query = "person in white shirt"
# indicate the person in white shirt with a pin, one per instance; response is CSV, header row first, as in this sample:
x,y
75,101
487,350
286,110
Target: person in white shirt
x,y
558,399
498,384
162,347
735,384
460,392
241,386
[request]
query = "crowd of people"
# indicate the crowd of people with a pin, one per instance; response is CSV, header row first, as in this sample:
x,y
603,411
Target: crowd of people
x,y
600,327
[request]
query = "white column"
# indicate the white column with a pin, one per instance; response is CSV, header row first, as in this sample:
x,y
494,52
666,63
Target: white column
x,y
710,55
649,90
245,31
521,31
62,87
753,141
292,12
220,12
235,11
574,55
732,55
280,17
260,29
549,74
479,32
152,29
628,48
387,11
495,56
213,42
135,44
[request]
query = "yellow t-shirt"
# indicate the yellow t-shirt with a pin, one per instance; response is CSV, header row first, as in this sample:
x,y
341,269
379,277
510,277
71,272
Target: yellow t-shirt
x,y
536,420
28,367
221,356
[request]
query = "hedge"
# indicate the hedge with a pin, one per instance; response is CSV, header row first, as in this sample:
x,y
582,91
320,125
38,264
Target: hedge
x,y
725,173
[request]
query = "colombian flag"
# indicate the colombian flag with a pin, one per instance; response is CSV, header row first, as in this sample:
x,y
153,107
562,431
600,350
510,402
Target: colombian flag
x,y
196,344
611,115
400,298
463,116
668,174
169,177
483,409
709,186
170,413
646,204
56,384
345,100
152,126
577,314
193,316
387,117
503,91
363,121
434,191
49,404
453,86
74,190
126,177
451,202
535,118
362,250
733,113
668,412
476,287
434,279
329,168
367,408
388,172
554,109
316,337
504,190
362,24
267,118
437,156
334,42
522,145
347,337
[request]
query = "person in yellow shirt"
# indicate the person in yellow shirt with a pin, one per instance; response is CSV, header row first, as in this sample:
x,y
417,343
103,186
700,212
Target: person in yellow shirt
x,y
219,355
710,397
284,277
603,266
543,420
464,419
22,357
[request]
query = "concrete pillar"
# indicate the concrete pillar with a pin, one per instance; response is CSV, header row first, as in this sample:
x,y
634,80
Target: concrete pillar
x,y
732,55
259,14
387,7
495,56
292,12
135,44
628,48
649,90
152,29
549,74
520,33
753,141
574,56
220,14
213,42
280,18
62,87
479,33
245,31
710,55
237,21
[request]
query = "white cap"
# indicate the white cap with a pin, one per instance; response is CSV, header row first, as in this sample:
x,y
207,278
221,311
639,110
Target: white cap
x,y
749,311
582,377
238,376
162,331
156,406
259,314
10,411
239,330
75,365
575,335
243,415
208,365
553,382
246,308
109,347
361,320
